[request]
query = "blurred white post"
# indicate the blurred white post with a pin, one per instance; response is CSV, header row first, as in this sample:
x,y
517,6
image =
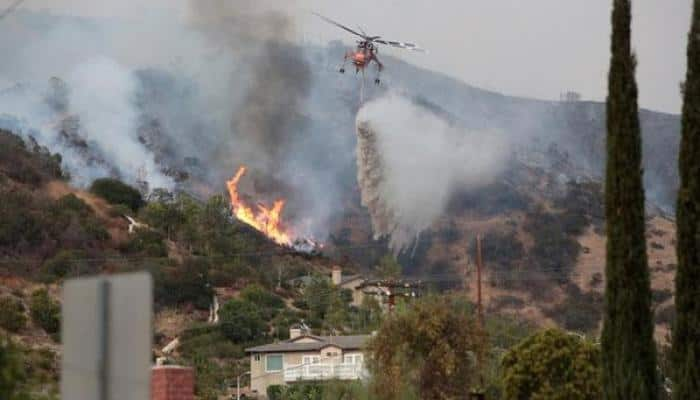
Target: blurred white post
x,y
106,332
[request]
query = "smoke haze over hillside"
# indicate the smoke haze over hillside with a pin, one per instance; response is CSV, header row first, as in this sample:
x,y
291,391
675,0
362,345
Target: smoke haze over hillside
x,y
410,161
207,85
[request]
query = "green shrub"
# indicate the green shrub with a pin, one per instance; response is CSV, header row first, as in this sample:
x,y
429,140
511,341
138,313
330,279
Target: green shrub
x,y
259,295
12,373
19,223
63,264
274,392
183,284
117,192
241,321
552,365
209,343
556,247
45,312
300,304
580,311
149,243
12,316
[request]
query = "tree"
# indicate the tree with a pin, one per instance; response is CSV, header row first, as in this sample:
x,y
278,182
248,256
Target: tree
x,y
369,314
117,192
552,365
318,295
241,321
45,312
686,333
165,216
11,372
426,349
12,316
629,354
258,295
184,284
388,267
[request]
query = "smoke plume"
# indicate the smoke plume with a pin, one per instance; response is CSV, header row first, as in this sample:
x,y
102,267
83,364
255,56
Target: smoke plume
x,y
410,161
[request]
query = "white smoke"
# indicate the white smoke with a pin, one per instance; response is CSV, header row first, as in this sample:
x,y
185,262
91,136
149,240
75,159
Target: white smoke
x,y
410,161
102,94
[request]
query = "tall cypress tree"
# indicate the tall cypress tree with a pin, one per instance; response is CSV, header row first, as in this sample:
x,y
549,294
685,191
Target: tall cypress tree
x,y
628,350
686,333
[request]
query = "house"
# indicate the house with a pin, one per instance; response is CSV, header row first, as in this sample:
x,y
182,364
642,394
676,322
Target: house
x,y
306,357
351,282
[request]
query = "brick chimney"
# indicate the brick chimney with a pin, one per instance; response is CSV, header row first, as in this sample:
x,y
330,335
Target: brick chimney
x,y
172,382
336,275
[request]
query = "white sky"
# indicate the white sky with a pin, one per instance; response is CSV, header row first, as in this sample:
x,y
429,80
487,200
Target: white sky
x,y
532,48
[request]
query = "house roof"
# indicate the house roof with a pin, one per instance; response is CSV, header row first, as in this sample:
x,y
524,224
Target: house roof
x,y
350,278
354,342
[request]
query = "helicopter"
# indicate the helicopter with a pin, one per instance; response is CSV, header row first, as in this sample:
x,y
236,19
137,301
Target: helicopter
x,y
367,49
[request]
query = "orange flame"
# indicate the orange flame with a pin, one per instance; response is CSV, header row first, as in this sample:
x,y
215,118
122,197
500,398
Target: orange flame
x,y
265,220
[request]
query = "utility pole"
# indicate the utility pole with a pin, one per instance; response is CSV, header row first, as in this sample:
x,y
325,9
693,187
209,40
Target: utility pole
x,y
479,267
478,394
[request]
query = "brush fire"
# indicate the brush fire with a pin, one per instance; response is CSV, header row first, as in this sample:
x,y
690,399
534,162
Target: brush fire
x,y
266,220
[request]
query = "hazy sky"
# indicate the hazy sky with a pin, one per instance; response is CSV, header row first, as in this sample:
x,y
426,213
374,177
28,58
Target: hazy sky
x,y
533,48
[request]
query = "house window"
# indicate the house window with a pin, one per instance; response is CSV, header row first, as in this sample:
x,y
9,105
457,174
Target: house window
x,y
306,360
273,363
353,359
257,357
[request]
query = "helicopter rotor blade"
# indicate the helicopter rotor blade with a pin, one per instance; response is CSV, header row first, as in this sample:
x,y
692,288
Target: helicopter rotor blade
x,y
339,25
401,45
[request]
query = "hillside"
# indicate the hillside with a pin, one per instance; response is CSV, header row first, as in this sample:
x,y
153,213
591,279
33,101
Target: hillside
x,y
51,231
180,136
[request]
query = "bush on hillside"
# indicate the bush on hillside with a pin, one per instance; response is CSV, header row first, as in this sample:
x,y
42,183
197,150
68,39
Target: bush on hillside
x,y
12,316
27,165
580,312
147,242
117,192
556,247
19,223
256,294
64,264
241,321
45,312
183,284
552,365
